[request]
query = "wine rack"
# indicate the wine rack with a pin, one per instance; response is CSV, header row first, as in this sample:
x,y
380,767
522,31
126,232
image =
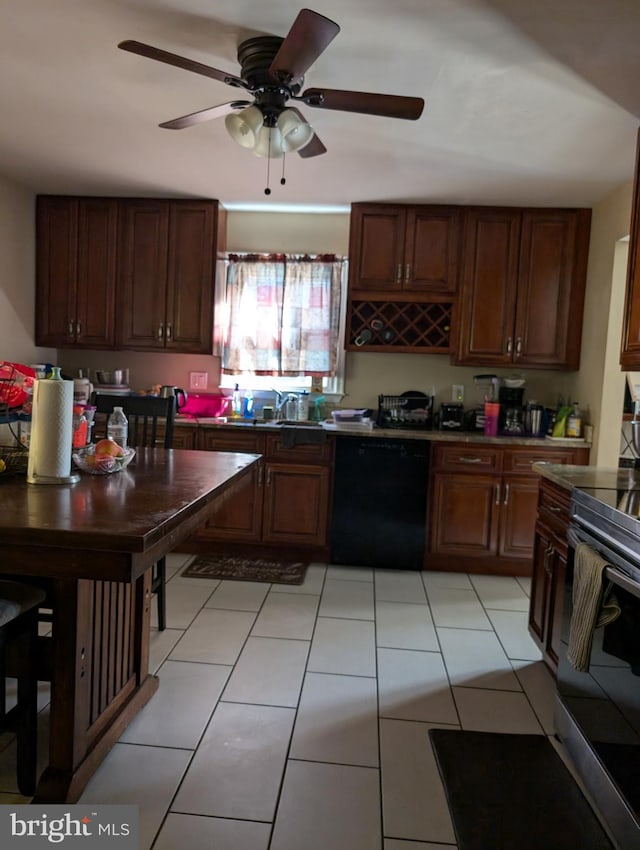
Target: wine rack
x,y
408,326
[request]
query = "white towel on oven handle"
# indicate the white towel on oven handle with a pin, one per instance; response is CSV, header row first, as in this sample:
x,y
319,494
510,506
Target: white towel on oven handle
x,y
594,604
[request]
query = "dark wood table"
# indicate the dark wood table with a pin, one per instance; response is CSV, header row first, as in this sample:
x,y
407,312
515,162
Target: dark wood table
x,y
93,544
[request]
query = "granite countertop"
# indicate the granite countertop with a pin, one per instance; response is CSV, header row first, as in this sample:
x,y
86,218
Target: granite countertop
x,y
570,477
397,433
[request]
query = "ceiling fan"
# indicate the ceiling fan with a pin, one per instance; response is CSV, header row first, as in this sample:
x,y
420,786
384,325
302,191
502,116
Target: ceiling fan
x,y
272,71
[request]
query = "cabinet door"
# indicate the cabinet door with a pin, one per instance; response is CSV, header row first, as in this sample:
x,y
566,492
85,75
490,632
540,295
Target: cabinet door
x,y
556,606
296,505
541,585
190,279
464,514
183,438
56,270
239,516
376,247
96,277
489,282
431,249
630,355
142,274
518,516
553,253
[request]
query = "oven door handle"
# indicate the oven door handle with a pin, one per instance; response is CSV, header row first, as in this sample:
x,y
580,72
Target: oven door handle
x,y
614,571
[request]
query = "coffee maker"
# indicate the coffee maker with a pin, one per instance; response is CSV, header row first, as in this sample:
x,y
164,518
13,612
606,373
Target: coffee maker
x,y
512,411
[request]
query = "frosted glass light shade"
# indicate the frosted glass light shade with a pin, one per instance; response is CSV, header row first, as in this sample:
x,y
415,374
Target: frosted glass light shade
x,y
269,143
296,133
244,126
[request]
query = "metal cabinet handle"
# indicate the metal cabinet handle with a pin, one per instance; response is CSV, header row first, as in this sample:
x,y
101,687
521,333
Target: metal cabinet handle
x,y
268,477
78,328
70,327
509,345
506,495
547,558
463,459
399,273
160,331
497,494
519,346
168,333
407,273
554,509
260,471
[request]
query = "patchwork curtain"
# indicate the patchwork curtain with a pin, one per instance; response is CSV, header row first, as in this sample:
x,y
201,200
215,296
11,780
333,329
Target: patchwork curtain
x,y
281,314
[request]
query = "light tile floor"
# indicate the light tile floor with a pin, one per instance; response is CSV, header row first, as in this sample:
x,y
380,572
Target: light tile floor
x,y
296,718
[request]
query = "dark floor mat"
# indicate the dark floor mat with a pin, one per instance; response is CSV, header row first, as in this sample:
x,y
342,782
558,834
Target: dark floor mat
x,y
513,792
246,569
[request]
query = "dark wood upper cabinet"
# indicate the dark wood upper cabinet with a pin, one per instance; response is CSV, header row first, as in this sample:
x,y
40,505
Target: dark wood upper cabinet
x,y
75,272
404,248
166,276
488,286
522,292
630,353
127,273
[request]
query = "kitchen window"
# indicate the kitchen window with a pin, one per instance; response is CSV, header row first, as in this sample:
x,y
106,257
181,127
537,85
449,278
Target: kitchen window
x,y
280,321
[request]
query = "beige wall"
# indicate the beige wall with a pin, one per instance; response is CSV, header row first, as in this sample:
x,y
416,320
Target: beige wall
x,y
600,383
17,259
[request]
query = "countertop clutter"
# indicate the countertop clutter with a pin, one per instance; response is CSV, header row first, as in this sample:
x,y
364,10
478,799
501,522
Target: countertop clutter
x,y
570,477
354,429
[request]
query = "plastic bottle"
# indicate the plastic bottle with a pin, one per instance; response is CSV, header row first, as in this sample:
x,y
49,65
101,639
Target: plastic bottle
x,y
303,406
248,405
118,427
236,403
80,427
574,422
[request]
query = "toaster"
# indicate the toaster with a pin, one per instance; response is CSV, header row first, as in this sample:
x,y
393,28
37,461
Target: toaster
x,y
451,416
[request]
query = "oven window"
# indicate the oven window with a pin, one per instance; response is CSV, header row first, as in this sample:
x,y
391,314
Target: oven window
x,y
605,702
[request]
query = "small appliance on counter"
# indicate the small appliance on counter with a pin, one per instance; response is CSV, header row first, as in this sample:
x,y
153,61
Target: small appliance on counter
x,y
512,411
451,416
486,389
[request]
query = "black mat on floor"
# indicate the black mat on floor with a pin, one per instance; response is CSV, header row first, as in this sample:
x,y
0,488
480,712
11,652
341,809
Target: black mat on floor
x,y
513,792
246,569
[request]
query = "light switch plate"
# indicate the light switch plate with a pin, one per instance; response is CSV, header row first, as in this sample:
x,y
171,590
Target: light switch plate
x,y
198,380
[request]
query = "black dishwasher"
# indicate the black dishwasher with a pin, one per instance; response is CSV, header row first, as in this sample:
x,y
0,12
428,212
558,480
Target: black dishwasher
x,y
380,502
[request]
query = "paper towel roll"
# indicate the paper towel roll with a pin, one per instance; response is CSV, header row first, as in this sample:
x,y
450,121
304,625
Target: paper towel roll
x,y
51,433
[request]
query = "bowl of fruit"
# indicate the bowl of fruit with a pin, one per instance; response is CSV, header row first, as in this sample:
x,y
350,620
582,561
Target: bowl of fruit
x,y
103,458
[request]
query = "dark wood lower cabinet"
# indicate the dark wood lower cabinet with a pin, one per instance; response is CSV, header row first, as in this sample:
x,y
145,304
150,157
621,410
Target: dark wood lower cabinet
x,y
483,506
284,505
549,570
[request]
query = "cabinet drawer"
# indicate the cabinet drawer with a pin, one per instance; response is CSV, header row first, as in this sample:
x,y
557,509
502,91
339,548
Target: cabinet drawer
x,y
212,439
553,507
520,460
460,457
318,454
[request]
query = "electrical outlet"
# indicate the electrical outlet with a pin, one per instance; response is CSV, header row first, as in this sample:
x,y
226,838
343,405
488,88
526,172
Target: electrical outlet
x,y
198,380
457,392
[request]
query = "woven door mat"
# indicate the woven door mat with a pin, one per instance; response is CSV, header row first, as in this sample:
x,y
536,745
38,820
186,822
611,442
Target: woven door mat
x,y
513,792
246,569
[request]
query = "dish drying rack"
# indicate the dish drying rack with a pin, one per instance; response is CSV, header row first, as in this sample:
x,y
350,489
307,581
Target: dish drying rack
x,y
405,411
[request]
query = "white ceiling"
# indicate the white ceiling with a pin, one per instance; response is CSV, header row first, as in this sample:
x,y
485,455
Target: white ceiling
x,y
527,101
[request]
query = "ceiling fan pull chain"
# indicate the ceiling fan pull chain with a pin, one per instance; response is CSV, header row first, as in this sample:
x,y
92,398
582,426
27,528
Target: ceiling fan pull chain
x,y
267,191
283,179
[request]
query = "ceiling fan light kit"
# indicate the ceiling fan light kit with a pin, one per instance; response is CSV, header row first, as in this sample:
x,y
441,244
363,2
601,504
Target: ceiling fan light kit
x,y
272,70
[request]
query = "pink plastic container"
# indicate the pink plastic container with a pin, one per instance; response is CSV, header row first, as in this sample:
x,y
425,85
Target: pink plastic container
x,y
205,405
491,415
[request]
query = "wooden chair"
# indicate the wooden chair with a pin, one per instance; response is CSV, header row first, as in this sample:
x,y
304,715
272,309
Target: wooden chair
x,y
19,636
146,416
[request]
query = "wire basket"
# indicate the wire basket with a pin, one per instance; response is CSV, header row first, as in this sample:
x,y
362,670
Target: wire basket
x,y
405,411
13,461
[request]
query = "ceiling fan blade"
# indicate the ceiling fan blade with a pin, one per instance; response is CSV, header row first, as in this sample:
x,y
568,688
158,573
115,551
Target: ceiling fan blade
x,y
204,115
181,62
314,147
308,37
386,105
